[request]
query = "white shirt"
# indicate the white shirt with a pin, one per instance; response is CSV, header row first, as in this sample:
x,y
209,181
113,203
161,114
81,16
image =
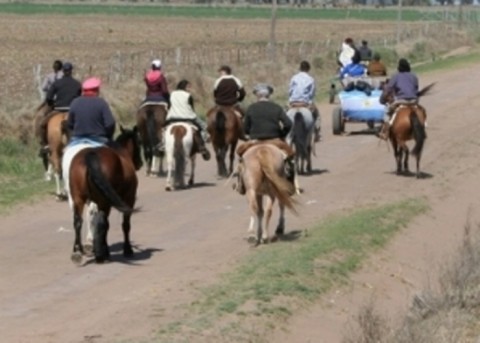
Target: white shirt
x,y
180,108
302,88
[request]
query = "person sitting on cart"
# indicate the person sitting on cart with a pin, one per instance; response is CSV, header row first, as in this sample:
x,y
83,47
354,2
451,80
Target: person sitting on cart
x,y
353,71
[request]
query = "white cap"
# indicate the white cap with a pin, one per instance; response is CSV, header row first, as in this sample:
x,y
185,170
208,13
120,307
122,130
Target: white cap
x,y
157,63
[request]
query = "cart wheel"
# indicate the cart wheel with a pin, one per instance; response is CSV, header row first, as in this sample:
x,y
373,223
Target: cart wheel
x,y
337,121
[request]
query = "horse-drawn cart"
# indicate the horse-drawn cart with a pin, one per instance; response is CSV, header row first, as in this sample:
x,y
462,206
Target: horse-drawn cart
x,y
357,107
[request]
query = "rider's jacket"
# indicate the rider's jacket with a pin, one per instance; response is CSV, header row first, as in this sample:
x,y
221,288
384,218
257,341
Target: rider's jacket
x,y
156,87
302,88
352,70
90,116
63,91
181,106
376,68
228,90
404,85
266,120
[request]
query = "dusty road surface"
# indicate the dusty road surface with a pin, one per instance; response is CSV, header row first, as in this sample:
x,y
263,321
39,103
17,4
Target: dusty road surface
x,y
184,240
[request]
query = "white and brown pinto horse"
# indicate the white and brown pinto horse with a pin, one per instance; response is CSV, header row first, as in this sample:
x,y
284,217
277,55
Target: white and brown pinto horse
x,y
180,147
263,174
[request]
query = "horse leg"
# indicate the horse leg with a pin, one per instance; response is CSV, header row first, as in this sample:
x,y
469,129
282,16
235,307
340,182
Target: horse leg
x,y
260,214
92,210
233,147
127,246
191,180
405,160
418,172
77,253
268,215
168,186
309,159
222,167
100,239
254,205
281,220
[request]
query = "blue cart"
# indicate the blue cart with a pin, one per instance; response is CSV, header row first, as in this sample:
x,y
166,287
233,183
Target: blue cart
x,y
357,107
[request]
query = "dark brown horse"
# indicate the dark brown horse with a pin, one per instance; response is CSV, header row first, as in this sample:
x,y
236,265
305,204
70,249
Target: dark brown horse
x,y
225,128
150,122
56,137
408,122
105,176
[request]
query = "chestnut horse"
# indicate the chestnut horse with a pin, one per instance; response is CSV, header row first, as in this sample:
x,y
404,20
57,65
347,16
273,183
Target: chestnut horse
x,y
105,176
407,123
151,118
57,138
263,174
180,146
225,128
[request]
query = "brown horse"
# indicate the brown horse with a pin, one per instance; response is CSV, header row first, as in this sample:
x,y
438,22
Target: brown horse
x,y
57,137
408,122
263,174
105,176
151,118
225,128
180,146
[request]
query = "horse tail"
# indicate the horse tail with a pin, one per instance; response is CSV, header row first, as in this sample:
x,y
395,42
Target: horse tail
x,y
300,134
179,157
151,126
425,90
98,179
418,134
220,126
280,186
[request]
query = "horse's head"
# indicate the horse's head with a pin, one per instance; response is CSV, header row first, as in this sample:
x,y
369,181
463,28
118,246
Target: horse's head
x,y
129,139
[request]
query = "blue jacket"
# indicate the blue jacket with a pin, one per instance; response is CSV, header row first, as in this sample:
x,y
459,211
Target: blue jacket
x,y
353,69
404,85
90,116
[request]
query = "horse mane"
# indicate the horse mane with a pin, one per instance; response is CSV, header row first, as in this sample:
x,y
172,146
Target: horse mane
x,y
425,90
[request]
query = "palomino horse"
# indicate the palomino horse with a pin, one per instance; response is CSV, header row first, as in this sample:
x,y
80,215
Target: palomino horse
x,y
180,145
105,176
225,128
263,174
57,138
301,137
407,123
151,118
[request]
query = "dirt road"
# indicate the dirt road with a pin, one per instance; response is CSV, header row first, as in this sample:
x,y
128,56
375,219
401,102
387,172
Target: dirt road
x,y
185,239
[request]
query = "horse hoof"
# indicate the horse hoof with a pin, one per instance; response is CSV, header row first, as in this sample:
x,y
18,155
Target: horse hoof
x,y
76,258
88,249
100,259
168,188
252,240
60,197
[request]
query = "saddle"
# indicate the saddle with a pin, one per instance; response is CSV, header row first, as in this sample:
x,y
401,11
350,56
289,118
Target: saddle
x,y
299,104
284,147
161,103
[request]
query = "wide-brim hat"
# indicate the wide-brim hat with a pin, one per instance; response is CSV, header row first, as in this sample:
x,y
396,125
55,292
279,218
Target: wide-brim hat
x,y
91,84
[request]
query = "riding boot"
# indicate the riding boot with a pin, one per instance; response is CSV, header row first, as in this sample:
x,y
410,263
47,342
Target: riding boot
x,y
384,131
202,148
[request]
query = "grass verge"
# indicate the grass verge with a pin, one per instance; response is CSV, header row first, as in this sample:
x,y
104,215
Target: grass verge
x,y
20,174
274,281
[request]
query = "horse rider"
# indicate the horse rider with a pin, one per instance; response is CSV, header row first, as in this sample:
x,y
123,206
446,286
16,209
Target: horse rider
x,y
156,82
182,109
55,75
301,93
59,96
228,90
90,116
404,86
266,122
